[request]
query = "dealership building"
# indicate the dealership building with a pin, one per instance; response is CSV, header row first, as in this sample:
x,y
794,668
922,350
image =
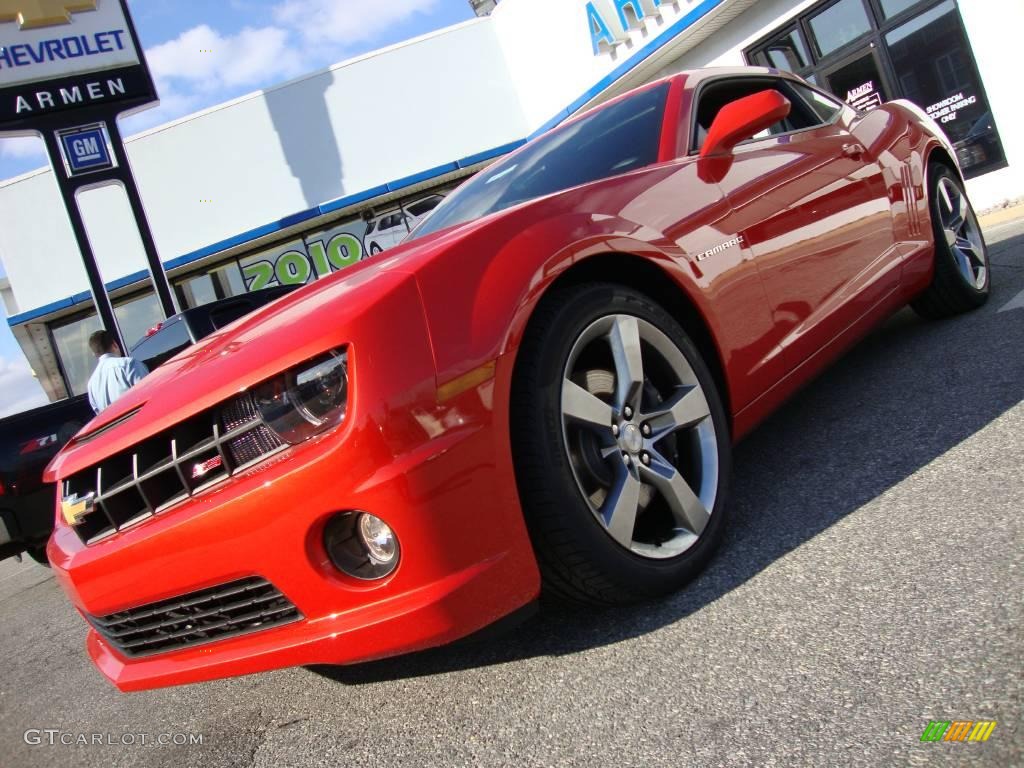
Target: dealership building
x,y
300,180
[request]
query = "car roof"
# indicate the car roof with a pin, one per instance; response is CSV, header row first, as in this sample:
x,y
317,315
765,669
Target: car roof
x,y
691,79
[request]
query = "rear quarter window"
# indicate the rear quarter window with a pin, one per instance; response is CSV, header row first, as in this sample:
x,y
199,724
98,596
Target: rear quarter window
x,y
825,107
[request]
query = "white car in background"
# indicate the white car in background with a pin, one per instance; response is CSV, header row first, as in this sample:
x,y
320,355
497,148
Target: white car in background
x,y
391,228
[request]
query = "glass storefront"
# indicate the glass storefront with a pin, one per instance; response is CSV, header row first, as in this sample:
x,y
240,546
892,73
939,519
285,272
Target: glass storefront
x,y
301,260
838,25
135,315
72,343
870,51
946,84
317,253
218,283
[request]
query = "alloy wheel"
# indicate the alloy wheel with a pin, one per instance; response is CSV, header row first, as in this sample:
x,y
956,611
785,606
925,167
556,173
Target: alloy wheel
x,y
639,435
963,235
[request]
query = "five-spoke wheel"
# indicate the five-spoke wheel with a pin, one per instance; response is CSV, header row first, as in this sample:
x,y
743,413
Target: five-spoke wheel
x,y
620,444
961,231
638,432
961,279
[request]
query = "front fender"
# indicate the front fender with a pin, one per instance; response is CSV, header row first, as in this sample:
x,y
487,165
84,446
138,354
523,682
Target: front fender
x,y
478,300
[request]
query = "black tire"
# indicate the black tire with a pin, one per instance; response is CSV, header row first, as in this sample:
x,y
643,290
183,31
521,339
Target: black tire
x,y
375,249
579,560
950,292
39,555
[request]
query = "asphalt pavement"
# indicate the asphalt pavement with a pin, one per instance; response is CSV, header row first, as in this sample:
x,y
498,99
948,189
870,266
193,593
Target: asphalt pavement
x,y
871,581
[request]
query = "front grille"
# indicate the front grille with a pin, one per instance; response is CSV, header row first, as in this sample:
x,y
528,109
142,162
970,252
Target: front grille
x,y
169,467
228,610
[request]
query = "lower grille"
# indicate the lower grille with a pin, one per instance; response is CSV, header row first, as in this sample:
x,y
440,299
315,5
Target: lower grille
x,y
232,609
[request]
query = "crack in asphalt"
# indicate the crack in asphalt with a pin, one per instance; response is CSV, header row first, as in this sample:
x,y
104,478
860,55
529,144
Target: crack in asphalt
x,y
259,734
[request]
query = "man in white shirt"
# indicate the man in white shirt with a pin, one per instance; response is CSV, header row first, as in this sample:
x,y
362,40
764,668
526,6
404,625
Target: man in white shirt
x,y
114,374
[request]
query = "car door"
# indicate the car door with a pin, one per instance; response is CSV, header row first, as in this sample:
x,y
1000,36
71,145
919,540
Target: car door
x,y
812,207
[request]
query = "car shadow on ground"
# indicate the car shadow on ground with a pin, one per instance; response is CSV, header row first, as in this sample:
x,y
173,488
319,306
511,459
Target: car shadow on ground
x,y
903,397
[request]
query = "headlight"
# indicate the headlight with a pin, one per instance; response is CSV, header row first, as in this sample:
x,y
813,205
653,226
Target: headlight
x,y
306,400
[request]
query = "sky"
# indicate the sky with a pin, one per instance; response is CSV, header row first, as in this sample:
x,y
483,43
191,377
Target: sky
x,y
251,44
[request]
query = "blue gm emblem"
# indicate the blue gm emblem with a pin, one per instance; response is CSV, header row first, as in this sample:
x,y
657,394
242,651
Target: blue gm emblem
x,y
85,149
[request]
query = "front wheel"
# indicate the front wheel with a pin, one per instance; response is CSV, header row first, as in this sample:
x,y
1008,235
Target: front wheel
x,y
620,444
961,280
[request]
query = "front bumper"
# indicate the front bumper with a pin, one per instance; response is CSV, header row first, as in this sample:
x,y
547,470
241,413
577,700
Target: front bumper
x,y
439,473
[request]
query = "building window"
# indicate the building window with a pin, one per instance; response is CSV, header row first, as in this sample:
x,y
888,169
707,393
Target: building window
x,y
947,86
871,51
137,315
219,283
838,25
895,7
785,52
72,343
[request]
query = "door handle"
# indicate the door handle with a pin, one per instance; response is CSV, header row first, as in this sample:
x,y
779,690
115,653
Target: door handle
x,y
853,150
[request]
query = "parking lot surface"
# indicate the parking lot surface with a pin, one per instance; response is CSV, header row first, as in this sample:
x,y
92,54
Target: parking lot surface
x,y
871,581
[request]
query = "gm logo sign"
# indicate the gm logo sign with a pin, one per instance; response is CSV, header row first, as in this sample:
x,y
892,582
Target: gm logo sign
x,y
85,149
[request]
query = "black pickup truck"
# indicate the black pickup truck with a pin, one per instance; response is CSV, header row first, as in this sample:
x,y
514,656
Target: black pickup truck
x,y
186,328
28,440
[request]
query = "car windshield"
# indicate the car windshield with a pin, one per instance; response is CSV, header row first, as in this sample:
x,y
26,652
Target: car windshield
x,y
618,138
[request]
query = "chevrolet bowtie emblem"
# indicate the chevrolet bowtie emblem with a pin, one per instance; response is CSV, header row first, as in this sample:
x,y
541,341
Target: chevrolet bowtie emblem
x,y
42,13
74,508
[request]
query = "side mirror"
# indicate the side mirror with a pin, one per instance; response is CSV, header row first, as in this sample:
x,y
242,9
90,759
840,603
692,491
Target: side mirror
x,y
741,119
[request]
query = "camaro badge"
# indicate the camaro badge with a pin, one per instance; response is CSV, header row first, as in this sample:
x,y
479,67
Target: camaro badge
x,y
75,509
738,240
31,14
201,468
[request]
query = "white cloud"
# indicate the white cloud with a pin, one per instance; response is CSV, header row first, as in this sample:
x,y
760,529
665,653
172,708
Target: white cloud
x,y
344,22
210,61
20,389
203,65
23,148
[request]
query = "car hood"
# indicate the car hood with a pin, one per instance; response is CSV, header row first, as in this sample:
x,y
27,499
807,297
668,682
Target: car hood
x,y
254,348
277,336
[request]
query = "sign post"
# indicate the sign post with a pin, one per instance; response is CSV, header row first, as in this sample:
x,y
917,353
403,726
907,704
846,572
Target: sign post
x,y
68,70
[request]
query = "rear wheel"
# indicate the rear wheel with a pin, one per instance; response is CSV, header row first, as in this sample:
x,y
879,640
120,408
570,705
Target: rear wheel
x,y
620,444
961,279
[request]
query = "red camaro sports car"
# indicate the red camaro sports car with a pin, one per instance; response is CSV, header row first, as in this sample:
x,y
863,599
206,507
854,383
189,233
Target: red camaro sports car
x,y
539,389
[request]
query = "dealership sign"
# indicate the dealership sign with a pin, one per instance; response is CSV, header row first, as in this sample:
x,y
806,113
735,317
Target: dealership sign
x,y
68,70
611,20
57,55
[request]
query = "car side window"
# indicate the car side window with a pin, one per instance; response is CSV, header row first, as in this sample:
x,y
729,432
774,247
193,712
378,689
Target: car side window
x,y
825,107
717,94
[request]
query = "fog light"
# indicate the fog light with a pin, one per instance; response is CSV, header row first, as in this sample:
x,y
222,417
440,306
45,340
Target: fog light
x,y
361,545
378,538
